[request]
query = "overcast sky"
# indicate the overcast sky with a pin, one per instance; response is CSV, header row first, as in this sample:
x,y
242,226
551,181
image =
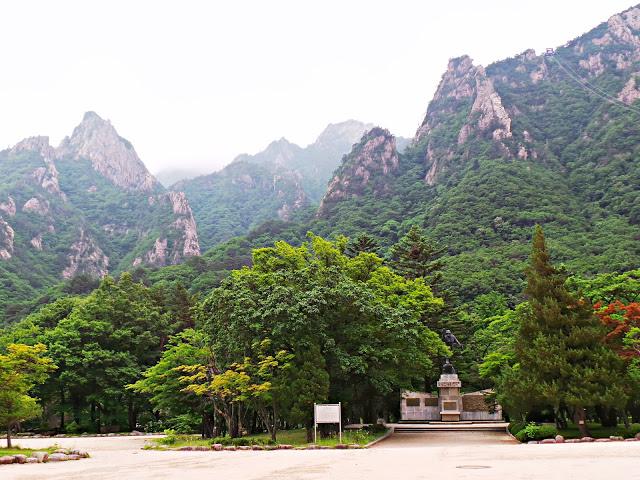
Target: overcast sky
x,y
194,83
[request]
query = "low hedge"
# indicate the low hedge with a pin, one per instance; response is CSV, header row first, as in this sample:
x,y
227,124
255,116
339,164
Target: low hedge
x,y
537,432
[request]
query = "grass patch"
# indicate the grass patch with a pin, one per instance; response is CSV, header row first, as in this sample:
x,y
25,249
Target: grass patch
x,y
25,451
297,438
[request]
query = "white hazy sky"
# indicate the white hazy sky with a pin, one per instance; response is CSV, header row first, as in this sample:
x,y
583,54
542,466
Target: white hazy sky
x,y
194,83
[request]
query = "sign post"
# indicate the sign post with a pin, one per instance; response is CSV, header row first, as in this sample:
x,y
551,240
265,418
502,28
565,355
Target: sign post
x,y
327,413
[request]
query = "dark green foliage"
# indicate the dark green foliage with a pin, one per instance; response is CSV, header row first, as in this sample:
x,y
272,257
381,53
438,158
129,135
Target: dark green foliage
x,y
415,256
535,432
561,359
362,244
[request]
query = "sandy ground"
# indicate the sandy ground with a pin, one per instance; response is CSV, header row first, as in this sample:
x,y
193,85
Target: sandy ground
x,y
460,455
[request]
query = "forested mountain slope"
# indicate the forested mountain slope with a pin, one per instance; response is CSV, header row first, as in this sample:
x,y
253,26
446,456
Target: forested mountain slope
x,y
552,140
89,207
275,183
530,139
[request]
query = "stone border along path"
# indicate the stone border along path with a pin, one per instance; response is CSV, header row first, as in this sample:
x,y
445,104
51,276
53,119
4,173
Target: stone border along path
x,y
218,447
60,455
561,439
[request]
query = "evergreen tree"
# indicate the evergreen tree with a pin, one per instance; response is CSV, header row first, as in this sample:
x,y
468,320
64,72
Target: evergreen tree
x,y
415,256
362,244
561,359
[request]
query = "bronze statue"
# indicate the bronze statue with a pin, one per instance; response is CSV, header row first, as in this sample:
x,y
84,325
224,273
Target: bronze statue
x,y
452,342
450,339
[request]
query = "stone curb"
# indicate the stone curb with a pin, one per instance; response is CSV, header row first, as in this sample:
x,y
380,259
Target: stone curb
x,y
551,441
378,440
44,457
89,435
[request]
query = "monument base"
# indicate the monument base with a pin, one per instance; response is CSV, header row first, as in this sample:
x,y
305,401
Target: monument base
x,y
449,416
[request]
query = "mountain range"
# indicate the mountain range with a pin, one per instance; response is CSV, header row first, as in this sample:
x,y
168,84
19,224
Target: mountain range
x,y
548,139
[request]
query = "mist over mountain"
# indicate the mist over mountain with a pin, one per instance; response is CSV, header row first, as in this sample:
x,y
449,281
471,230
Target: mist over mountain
x,y
272,184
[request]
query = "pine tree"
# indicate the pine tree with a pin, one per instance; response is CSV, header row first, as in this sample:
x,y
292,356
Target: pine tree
x,y
562,360
415,256
362,244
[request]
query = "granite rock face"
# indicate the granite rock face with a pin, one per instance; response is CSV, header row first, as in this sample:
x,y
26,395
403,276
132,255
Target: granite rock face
x,y
85,256
374,157
6,240
110,154
65,188
484,104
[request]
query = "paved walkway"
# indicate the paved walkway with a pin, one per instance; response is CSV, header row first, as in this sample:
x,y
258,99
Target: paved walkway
x,y
405,457
446,439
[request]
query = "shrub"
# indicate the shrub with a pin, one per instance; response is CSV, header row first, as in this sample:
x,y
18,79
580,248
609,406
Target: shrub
x,y
515,427
169,439
242,441
375,428
630,432
533,431
72,427
184,424
359,436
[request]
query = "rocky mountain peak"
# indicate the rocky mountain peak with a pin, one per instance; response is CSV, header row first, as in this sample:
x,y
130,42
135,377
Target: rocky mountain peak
x,y
339,134
457,86
624,27
110,154
46,176
374,157
39,144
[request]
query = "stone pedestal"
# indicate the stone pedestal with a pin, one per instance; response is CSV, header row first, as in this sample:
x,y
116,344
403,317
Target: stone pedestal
x,y
450,401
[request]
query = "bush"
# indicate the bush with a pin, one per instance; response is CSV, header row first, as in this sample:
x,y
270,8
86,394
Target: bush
x,y
242,441
375,428
533,431
516,427
154,426
184,424
359,436
630,432
170,439
72,427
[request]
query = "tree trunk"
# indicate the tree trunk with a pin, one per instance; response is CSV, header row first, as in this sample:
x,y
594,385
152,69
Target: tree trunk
x,y
62,425
132,414
580,417
9,436
274,429
233,422
608,416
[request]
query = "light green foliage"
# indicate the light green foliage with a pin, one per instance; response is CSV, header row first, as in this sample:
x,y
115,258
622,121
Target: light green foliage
x,y
100,343
608,287
22,367
362,318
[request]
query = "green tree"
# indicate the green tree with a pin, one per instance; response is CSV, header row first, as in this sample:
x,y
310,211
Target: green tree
x,y
363,243
561,359
21,368
416,256
163,381
362,318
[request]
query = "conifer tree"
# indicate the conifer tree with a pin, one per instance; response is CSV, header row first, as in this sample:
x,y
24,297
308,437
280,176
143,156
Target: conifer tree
x,y
415,256
362,244
562,360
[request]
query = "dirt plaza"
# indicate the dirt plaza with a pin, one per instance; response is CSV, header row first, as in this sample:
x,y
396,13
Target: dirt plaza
x,y
461,455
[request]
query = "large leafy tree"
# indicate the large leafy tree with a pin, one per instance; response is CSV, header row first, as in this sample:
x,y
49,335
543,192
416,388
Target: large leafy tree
x,y
21,368
561,359
363,320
